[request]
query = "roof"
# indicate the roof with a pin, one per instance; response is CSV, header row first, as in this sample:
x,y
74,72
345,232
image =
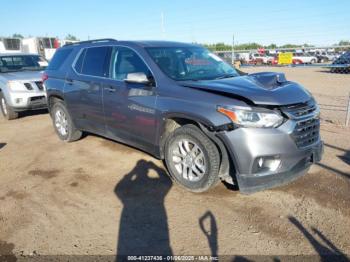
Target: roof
x,y
155,43
140,43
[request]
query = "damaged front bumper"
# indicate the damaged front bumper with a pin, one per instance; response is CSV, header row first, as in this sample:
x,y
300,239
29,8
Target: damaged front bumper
x,y
266,158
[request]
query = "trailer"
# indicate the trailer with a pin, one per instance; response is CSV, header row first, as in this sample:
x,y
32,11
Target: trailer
x,y
10,45
44,46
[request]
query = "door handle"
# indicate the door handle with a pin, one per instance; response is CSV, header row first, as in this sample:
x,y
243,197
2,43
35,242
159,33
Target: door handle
x,y
69,81
110,89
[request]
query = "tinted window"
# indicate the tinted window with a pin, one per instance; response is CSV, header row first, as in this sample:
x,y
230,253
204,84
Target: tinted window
x,y
126,61
59,58
95,61
79,64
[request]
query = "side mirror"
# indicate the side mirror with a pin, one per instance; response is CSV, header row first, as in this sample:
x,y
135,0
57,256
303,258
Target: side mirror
x,y
139,78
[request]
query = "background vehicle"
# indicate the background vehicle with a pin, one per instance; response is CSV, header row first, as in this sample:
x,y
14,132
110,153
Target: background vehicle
x,y
184,104
342,64
67,42
258,59
10,45
21,87
44,46
302,58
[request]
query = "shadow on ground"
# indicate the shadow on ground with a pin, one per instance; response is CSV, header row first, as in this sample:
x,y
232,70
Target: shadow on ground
x,y
143,228
6,252
33,113
324,247
2,145
344,157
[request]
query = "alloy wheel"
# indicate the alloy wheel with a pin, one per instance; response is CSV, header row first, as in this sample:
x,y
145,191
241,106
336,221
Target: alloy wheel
x,y
61,122
189,160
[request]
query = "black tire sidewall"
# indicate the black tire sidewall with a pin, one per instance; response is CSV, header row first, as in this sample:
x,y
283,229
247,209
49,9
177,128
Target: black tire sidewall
x,y
1,108
211,156
11,114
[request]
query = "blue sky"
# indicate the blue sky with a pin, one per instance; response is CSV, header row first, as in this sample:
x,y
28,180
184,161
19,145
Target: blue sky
x,y
317,22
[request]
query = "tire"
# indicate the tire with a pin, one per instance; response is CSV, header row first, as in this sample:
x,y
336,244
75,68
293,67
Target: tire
x,y
194,166
7,111
63,123
313,61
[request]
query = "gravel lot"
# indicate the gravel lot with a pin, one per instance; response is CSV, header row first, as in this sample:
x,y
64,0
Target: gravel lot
x,y
99,197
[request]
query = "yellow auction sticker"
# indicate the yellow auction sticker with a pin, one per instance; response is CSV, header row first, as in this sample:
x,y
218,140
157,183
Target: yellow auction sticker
x,y
285,58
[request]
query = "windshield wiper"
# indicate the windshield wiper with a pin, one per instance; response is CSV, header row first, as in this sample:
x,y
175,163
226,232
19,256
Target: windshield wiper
x,y
225,76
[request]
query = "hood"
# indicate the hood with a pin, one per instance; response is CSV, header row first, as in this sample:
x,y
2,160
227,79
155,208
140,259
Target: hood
x,y
22,75
260,88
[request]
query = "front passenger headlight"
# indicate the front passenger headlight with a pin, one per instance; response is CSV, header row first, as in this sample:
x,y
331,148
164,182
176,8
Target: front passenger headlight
x,y
16,86
252,118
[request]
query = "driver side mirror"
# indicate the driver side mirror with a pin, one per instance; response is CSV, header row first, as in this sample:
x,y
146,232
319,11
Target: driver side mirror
x,y
138,78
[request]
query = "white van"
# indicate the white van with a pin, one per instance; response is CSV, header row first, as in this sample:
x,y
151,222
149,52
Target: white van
x,y
44,46
10,45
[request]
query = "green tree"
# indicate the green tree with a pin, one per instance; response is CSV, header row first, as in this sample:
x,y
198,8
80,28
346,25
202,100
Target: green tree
x,y
71,37
344,42
17,36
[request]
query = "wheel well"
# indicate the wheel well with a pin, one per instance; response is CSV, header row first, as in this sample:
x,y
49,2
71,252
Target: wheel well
x,y
226,164
53,99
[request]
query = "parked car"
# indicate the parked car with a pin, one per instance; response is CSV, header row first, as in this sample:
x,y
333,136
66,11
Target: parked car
x,y
44,46
341,64
21,87
182,103
258,59
301,58
10,45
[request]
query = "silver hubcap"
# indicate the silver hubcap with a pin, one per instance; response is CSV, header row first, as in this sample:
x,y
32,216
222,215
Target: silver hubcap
x,y
189,160
61,122
3,105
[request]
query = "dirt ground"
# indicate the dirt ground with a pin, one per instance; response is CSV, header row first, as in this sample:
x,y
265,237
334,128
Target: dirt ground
x,y
95,196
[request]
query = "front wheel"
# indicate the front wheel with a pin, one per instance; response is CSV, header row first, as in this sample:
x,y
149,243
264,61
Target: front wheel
x,y
7,111
192,159
63,123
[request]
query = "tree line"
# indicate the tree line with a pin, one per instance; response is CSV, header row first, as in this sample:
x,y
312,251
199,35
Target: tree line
x,y
225,47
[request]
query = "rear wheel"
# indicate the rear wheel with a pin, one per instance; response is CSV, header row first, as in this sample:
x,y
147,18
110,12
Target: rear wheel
x,y
192,159
7,111
63,123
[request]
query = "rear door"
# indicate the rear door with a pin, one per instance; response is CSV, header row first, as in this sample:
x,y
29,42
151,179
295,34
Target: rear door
x,y
83,89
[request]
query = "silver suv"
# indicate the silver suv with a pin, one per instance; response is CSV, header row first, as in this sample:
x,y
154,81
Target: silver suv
x,y
21,86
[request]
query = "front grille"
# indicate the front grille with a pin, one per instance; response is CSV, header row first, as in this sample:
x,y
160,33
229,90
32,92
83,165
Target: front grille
x,y
306,132
40,85
307,128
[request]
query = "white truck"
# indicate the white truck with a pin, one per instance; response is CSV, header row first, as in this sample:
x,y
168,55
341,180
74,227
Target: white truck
x,y
10,45
44,46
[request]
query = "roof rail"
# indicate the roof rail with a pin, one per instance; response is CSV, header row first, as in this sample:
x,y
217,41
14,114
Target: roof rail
x,y
93,41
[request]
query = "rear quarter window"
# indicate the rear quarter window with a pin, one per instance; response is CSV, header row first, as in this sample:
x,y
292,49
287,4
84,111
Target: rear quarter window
x,y
95,61
59,58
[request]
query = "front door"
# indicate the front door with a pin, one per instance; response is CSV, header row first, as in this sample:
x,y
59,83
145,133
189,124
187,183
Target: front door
x,y
129,107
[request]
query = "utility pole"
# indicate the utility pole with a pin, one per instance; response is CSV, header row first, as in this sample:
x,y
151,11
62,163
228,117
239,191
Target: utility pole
x,y
233,50
162,28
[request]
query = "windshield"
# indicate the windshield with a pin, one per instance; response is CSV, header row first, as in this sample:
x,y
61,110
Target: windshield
x,y
22,62
190,63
